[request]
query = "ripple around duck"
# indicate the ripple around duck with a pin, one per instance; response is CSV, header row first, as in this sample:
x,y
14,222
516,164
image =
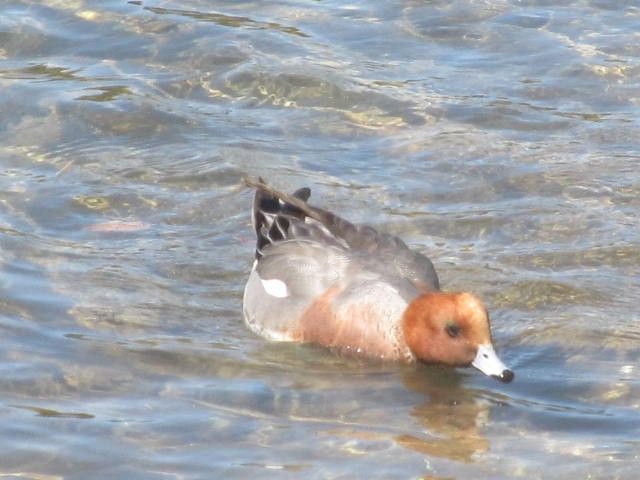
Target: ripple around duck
x,y
302,90
540,294
227,20
622,256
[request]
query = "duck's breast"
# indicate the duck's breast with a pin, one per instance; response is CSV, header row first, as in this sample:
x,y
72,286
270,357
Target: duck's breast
x,y
362,318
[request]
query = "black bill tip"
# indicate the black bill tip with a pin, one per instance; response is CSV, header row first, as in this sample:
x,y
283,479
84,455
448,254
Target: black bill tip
x,y
505,377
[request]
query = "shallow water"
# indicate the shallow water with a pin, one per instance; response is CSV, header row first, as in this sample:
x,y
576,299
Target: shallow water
x,y
500,138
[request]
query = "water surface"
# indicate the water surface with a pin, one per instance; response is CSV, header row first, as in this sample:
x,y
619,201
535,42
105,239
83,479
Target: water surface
x,y
499,138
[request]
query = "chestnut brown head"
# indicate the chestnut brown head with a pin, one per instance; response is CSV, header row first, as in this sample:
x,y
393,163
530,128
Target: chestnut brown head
x,y
452,329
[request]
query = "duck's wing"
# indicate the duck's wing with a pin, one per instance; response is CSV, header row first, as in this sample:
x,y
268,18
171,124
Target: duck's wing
x,y
279,217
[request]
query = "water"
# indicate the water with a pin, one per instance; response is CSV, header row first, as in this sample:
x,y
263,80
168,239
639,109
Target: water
x,y
500,138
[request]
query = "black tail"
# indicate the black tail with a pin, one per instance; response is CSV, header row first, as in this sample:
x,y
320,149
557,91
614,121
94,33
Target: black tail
x,y
273,209
273,212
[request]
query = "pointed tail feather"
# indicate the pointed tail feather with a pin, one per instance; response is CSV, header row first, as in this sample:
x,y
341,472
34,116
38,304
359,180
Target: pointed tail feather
x,y
272,211
339,227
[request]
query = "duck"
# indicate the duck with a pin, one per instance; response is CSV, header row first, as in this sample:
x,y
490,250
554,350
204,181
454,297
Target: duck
x,y
320,279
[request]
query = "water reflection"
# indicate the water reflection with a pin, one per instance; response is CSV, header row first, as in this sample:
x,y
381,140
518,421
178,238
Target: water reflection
x,y
452,417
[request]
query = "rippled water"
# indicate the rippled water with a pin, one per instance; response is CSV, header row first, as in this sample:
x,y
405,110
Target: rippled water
x,y
499,137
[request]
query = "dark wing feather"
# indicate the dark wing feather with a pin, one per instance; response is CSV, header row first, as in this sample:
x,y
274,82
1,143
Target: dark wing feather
x,y
272,218
280,216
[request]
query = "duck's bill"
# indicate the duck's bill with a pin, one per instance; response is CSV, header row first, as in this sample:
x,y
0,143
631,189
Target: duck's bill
x,y
487,362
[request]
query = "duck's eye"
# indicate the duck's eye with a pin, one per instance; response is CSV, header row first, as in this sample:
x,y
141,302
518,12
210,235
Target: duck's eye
x,y
452,330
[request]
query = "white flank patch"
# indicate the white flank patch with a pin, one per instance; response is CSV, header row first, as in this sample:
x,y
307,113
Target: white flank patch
x,y
275,288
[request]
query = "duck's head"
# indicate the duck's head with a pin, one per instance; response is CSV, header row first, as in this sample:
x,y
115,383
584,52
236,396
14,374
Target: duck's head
x,y
453,329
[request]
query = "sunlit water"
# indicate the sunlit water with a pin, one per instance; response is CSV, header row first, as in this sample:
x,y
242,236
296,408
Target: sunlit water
x,y
501,138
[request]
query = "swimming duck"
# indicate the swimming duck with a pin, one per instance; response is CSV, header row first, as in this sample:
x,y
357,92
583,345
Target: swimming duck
x,y
318,278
